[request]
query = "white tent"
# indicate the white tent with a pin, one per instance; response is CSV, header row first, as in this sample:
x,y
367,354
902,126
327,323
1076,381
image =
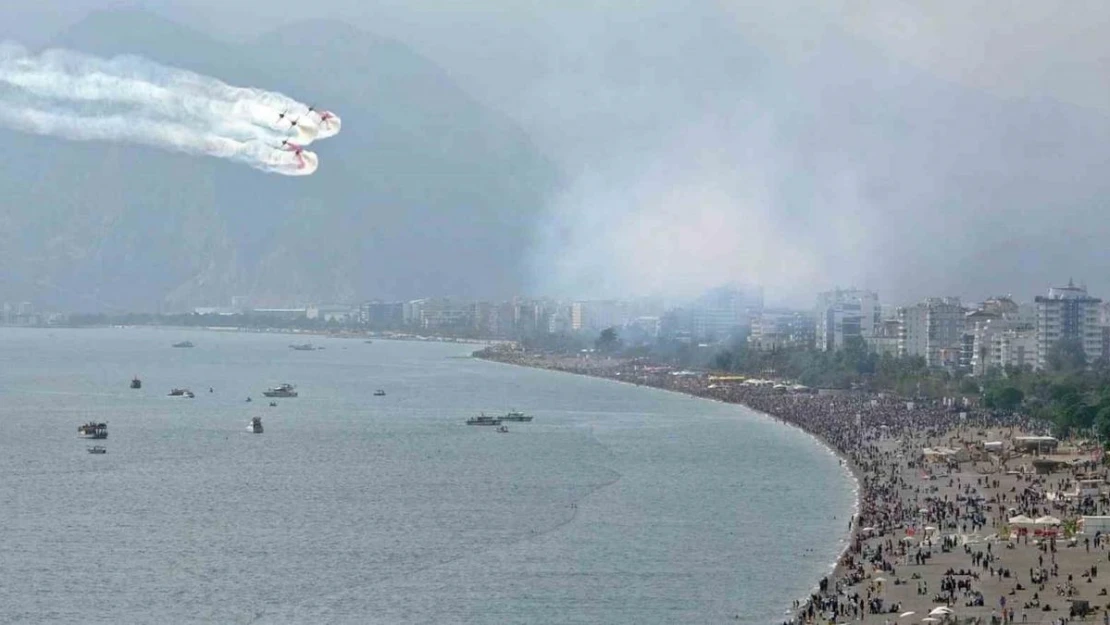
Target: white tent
x,y
1047,520
1021,519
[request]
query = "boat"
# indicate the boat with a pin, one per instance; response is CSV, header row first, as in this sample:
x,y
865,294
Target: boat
x,y
519,417
502,429
285,390
97,449
184,344
273,404
93,429
483,420
255,425
182,392
136,382
304,347
379,393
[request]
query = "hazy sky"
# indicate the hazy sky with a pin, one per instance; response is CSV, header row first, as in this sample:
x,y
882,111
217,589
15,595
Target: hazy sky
x,y
917,148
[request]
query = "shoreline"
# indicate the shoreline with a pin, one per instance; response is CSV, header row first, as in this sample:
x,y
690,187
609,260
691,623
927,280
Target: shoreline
x,y
937,530
854,472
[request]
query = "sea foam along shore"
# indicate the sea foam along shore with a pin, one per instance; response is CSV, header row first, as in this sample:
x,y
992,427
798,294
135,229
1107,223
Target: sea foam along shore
x,y
851,469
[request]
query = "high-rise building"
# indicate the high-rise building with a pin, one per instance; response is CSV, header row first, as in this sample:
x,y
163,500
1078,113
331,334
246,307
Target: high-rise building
x,y
843,315
934,329
1068,313
724,311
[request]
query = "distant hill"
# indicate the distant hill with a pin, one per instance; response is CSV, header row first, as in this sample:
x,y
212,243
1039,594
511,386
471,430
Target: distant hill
x,y
424,192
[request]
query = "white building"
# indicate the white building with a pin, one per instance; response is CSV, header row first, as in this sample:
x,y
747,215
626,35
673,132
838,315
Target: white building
x,y
1068,313
1014,347
993,317
844,314
776,329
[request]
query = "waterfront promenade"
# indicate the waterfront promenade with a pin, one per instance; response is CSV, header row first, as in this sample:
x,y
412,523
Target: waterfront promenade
x,y
935,539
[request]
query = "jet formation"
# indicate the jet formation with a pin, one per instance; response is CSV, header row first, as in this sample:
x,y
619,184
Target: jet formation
x,y
129,99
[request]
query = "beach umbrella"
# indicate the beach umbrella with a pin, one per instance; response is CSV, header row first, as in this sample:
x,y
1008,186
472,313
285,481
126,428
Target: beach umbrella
x,y
879,580
940,611
929,619
905,614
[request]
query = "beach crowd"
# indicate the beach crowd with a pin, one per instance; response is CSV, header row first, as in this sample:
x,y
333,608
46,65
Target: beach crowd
x,y
935,538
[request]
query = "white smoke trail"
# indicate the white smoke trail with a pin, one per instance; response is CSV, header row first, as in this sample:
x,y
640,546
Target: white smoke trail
x,y
178,137
80,97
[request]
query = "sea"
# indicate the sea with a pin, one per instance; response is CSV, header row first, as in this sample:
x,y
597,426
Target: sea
x,y
617,504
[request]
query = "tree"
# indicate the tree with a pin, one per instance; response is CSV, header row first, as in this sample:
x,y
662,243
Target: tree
x,y
1007,398
608,341
1066,356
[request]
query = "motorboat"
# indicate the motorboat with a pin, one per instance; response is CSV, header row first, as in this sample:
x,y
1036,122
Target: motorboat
x,y
97,449
93,429
519,417
304,347
483,420
182,392
284,390
255,425
502,429
136,382
184,344
379,393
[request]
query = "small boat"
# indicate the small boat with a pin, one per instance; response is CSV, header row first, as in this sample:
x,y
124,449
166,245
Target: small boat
x,y
273,404
303,347
93,429
483,420
182,392
136,382
519,417
97,449
379,393
284,390
502,429
184,344
255,425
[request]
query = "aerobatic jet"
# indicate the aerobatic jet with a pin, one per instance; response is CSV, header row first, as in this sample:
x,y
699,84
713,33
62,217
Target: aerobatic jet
x,y
323,115
297,150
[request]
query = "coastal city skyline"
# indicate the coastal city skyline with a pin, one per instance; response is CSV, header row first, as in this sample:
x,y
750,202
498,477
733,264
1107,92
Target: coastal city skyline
x,y
970,337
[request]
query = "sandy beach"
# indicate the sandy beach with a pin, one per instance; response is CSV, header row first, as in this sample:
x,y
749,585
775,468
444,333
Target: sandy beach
x,y
950,529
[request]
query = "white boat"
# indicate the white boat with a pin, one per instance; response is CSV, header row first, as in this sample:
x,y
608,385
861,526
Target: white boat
x,y
284,390
97,449
255,425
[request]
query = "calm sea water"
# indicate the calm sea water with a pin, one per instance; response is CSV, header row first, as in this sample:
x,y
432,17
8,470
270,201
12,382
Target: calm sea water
x,y
617,504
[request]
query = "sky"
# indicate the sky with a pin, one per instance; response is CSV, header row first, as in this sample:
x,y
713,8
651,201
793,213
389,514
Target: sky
x,y
915,148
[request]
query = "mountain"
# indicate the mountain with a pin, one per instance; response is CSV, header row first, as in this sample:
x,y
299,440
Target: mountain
x,y
424,192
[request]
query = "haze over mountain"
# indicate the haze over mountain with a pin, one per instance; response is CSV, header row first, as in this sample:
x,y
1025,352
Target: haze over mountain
x,y
425,191
916,148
